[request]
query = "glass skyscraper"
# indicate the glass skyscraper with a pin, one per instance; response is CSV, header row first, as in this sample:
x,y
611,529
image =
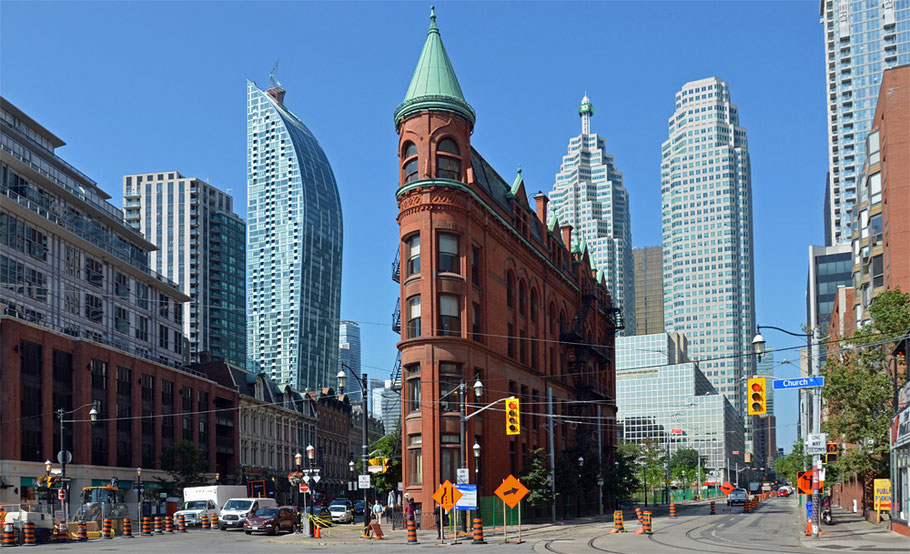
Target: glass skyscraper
x,y
349,357
862,39
589,195
294,241
707,235
649,290
201,247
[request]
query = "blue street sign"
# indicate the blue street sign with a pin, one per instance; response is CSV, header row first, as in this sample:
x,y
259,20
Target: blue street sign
x,y
799,383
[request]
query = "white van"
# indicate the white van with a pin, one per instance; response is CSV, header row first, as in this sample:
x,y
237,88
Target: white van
x,y
236,510
206,500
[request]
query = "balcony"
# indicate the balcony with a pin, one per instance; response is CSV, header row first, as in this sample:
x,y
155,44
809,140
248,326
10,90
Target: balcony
x,y
396,317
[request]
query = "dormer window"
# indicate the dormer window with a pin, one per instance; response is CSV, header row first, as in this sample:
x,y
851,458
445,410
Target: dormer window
x,y
448,162
410,162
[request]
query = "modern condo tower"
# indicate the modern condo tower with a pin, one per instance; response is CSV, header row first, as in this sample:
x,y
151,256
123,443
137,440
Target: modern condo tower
x,y
707,234
862,39
294,232
589,196
200,246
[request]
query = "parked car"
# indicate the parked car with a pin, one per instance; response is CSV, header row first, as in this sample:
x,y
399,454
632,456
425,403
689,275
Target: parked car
x,y
342,513
358,508
271,520
737,496
236,510
783,492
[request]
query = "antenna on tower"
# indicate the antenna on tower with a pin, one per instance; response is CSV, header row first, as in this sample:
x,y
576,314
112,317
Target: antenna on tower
x,y
273,77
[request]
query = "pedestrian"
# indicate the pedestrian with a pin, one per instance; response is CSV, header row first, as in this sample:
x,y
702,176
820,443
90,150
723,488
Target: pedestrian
x,y
410,510
437,515
377,511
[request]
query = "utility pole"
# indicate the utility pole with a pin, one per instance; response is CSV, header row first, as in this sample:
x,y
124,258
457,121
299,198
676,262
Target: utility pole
x,y
698,485
552,454
667,487
816,428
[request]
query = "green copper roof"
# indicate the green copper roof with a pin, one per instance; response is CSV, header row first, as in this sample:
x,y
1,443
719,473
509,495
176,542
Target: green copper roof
x,y
516,184
434,85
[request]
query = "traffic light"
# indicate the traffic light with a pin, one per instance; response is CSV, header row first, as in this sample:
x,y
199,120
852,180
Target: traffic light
x,y
831,454
513,417
758,396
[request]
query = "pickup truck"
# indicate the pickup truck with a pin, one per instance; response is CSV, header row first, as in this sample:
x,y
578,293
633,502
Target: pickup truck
x,y
736,496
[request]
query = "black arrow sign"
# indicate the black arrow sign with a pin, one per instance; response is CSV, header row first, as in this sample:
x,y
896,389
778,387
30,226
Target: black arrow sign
x,y
513,490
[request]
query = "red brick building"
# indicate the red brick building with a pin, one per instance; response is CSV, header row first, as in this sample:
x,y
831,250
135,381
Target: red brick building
x,y
142,408
490,290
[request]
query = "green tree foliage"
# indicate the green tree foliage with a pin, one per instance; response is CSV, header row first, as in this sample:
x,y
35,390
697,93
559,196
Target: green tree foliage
x,y
859,389
651,463
786,467
184,464
389,447
684,466
536,476
621,481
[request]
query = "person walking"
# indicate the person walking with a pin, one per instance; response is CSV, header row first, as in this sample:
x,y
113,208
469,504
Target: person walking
x,y
377,511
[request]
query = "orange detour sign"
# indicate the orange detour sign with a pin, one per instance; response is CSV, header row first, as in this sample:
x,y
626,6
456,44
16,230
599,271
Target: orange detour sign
x,y
511,491
727,487
804,481
447,495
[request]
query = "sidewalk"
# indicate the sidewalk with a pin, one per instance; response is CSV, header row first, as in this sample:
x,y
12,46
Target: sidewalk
x,y
851,532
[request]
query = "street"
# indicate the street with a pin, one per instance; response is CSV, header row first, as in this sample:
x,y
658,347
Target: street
x,y
773,527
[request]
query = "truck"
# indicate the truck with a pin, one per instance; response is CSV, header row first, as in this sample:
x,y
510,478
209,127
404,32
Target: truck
x,y
206,500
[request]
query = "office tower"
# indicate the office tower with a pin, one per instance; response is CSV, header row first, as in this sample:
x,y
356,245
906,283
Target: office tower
x,y
349,357
663,396
201,246
707,235
589,195
649,290
861,40
294,244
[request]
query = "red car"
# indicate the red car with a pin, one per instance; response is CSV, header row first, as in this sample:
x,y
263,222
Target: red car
x,y
272,520
783,492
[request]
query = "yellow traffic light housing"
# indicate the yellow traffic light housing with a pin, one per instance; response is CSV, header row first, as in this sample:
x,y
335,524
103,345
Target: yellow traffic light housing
x,y
757,396
513,417
831,454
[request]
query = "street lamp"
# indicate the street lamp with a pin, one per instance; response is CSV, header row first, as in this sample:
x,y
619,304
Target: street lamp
x,y
298,462
365,408
581,463
311,455
139,490
477,472
65,456
47,468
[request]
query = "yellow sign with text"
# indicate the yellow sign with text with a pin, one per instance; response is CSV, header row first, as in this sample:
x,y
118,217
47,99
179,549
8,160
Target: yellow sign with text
x,y
882,495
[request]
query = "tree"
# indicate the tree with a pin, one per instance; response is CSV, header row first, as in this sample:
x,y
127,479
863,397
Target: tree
x,y
651,463
684,466
184,464
787,466
389,447
536,476
859,387
622,481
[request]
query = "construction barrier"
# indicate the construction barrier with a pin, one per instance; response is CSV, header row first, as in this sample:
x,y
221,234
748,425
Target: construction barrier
x,y
647,522
30,534
673,509
205,521
147,525
618,525
82,531
106,529
713,509
169,524
181,523
478,531
213,521
9,535
60,530
412,532
159,526
638,514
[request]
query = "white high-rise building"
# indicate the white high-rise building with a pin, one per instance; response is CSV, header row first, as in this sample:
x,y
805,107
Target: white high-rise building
x,y
349,357
862,39
707,235
589,195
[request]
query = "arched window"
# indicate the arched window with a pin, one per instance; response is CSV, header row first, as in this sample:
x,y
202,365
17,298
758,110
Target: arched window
x,y
522,297
534,305
510,290
448,162
409,162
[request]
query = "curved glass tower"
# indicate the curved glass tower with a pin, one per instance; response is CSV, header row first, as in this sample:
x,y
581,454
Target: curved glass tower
x,y
294,240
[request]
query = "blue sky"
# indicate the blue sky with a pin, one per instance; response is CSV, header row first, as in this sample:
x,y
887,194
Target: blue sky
x,y
151,86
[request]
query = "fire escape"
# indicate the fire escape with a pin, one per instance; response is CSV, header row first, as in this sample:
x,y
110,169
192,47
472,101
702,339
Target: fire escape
x,y
396,323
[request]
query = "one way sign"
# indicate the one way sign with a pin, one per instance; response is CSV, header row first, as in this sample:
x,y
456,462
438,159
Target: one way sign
x,y
511,491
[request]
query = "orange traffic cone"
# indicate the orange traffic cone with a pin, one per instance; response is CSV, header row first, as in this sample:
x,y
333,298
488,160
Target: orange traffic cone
x,y
809,528
317,534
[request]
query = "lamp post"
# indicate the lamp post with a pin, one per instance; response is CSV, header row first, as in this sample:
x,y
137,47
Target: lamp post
x,y
478,394
311,454
298,463
477,473
758,346
581,464
364,387
62,455
139,490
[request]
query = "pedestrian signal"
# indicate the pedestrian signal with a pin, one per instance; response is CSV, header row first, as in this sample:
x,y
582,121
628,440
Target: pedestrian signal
x,y
513,417
757,396
831,454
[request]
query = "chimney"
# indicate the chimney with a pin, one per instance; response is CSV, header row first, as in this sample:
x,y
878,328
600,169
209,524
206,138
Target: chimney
x,y
566,231
541,200
277,93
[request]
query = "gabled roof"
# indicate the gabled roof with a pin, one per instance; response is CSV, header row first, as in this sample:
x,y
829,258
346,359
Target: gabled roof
x,y
434,85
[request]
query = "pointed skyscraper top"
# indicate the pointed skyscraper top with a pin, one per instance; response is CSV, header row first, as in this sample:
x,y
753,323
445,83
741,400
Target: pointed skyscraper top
x,y
586,111
434,85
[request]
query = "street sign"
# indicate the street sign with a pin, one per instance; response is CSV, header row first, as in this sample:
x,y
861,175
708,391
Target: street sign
x,y
462,476
468,500
816,443
304,487
511,491
316,478
61,494
804,481
727,487
800,383
364,481
447,495
882,494
374,469
64,457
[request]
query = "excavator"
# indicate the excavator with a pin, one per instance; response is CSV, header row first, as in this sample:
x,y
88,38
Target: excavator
x,y
99,503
